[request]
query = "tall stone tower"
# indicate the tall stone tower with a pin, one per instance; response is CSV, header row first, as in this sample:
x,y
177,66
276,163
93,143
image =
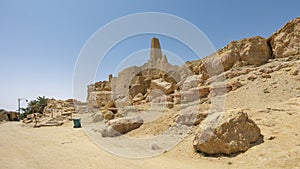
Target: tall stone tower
x,y
155,51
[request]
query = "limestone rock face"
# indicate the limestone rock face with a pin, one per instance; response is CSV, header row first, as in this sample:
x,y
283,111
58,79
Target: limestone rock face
x,y
286,41
190,116
226,133
255,50
121,126
251,51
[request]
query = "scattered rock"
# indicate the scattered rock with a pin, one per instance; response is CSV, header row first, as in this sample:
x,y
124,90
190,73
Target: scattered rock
x,y
121,126
252,77
194,94
276,68
287,69
266,91
192,81
155,147
108,115
235,85
169,105
271,138
295,72
266,71
190,116
138,97
226,133
164,86
264,75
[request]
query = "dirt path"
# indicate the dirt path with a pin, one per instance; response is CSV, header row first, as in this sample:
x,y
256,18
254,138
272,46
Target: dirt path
x,y
65,147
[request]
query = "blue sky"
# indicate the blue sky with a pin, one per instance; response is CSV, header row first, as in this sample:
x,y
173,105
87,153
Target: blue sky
x,y
40,40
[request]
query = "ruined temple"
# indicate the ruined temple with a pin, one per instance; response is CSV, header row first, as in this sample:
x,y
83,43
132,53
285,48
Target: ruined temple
x,y
134,80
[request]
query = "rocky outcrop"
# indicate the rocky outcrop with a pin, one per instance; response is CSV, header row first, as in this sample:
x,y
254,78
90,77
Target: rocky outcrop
x,y
121,126
237,58
8,115
286,41
249,51
226,133
59,108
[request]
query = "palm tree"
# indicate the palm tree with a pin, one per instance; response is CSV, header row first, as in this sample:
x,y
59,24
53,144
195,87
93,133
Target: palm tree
x,y
41,104
35,106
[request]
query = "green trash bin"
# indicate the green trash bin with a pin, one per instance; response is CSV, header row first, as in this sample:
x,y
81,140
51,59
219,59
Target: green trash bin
x,y
76,123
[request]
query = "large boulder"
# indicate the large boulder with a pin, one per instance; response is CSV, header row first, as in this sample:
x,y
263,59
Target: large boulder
x,y
286,41
3,116
97,117
164,86
190,116
121,126
108,115
226,133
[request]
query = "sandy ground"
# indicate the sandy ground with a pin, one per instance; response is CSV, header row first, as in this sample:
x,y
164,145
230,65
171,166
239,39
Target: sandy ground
x,y
66,147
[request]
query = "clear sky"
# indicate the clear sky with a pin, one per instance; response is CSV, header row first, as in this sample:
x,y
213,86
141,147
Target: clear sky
x,y
40,40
